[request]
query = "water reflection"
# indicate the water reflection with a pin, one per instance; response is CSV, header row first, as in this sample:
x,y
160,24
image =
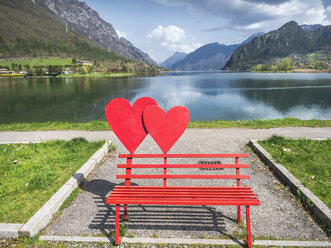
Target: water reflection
x,y
243,96
208,96
59,99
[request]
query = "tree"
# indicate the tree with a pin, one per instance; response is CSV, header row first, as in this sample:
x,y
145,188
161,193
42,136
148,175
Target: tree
x,y
84,69
287,64
74,61
30,72
320,65
50,69
90,68
39,71
13,66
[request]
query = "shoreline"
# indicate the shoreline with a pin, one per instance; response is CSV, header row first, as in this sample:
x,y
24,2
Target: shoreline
x,y
76,75
102,125
310,71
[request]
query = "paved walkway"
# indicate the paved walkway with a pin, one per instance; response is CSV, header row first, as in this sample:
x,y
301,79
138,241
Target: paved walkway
x,y
278,216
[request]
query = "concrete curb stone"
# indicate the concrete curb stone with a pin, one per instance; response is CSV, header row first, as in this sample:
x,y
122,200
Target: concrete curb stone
x,y
46,212
311,201
9,230
292,243
179,241
44,215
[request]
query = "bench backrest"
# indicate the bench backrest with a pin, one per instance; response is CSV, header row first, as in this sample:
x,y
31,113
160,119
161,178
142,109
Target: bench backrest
x,y
129,166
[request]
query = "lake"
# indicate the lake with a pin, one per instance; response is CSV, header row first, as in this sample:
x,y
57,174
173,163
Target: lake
x,y
208,96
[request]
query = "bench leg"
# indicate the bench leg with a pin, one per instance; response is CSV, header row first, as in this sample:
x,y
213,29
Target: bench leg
x,y
125,211
117,225
248,222
238,214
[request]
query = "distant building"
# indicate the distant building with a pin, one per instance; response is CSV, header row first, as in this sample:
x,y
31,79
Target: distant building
x,y
84,62
67,72
5,71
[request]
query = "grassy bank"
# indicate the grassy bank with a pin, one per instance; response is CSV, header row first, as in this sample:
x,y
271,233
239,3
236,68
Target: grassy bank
x,y
98,74
103,125
308,160
258,124
31,173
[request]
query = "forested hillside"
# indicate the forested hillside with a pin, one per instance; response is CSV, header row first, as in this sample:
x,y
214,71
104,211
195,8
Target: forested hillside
x,y
27,29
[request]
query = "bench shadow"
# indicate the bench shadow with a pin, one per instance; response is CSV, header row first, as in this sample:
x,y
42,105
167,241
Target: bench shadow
x,y
153,217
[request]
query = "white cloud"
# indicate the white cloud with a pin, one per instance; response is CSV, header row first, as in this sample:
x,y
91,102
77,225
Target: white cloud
x,y
328,12
174,39
120,34
254,14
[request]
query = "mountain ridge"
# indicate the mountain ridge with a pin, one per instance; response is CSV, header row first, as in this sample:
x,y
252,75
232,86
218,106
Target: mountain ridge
x,y
29,30
84,20
173,60
288,39
212,56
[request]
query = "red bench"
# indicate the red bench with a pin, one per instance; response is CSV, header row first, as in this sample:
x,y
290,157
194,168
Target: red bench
x,y
181,195
131,124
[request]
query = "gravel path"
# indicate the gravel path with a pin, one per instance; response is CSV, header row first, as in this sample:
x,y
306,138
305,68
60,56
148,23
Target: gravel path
x,y
279,216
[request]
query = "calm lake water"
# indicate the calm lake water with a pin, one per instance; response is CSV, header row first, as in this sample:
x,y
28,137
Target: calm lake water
x,y
208,96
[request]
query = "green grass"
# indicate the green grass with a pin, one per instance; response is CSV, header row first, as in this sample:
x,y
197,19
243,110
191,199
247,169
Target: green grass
x,y
31,173
98,74
258,124
38,61
308,160
103,125
59,125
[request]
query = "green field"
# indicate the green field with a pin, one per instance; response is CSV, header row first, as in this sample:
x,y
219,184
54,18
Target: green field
x,y
103,125
308,160
31,173
38,61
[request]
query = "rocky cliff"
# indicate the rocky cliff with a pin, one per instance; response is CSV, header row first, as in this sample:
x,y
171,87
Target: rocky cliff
x,y
79,17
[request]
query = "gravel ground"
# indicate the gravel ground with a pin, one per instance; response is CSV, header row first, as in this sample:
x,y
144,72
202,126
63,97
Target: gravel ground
x,y
279,216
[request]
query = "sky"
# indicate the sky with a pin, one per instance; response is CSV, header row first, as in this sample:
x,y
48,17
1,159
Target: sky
x,y
163,27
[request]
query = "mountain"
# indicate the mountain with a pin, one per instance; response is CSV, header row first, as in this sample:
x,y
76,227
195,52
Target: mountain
x,y
28,30
173,61
280,43
212,56
208,57
310,28
78,16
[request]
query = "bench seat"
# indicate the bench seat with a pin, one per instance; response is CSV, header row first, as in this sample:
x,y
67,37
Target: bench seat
x,y
239,196
177,195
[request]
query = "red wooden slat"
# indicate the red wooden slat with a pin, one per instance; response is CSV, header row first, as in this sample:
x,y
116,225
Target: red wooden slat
x,y
174,201
182,176
183,187
242,155
177,192
183,166
186,191
183,196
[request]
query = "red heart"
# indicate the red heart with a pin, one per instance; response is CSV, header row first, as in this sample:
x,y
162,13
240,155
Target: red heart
x,y
126,121
166,128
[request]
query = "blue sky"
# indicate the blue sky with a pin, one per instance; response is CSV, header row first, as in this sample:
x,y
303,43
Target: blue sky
x,y
162,27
